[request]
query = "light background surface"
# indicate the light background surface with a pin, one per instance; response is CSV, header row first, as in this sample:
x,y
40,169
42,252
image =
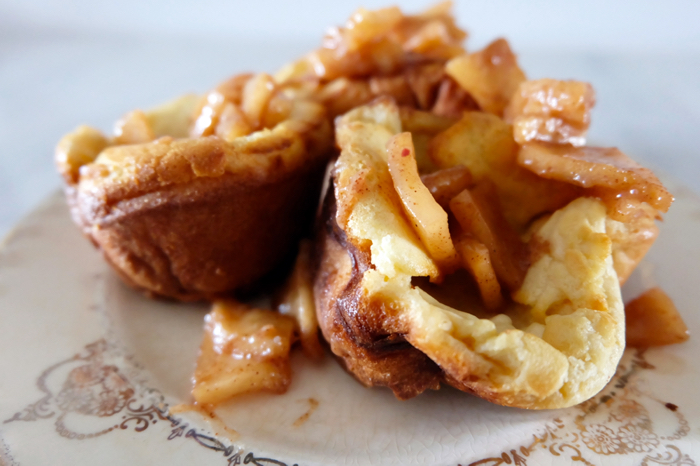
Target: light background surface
x,y
72,62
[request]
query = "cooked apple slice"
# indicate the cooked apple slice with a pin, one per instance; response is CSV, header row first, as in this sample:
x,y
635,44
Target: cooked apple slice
x,y
426,215
550,110
133,129
297,301
653,320
279,108
232,123
484,144
478,213
78,148
452,100
243,350
491,75
393,86
364,26
447,183
434,39
232,88
207,115
603,167
257,93
424,81
423,127
419,121
368,204
343,94
477,260
480,141
174,118
631,238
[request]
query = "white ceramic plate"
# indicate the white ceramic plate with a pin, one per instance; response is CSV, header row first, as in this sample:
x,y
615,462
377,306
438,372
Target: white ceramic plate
x,y
88,369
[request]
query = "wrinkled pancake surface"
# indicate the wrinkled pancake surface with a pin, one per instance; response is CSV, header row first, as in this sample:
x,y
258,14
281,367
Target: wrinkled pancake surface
x,y
557,341
201,196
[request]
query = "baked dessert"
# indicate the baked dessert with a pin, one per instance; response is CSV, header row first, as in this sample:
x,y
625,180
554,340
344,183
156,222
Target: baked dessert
x,y
534,318
470,236
204,195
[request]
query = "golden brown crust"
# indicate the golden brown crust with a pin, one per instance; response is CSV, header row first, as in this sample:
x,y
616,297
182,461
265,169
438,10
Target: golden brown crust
x,y
205,238
354,327
196,218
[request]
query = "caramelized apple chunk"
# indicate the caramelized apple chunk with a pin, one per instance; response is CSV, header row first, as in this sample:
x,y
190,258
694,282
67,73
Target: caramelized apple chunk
x,y
425,80
491,76
334,59
257,93
382,42
392,86
173,118
207,115
452,100
364,26
385,53
78,148
550,110
232,123
605,168
243,350
447,99
421,143
418,121
343,94
631,238
447,183
480,141
278,109
426,215
242,105
653,320
232,88
134,128
432,33
423,126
